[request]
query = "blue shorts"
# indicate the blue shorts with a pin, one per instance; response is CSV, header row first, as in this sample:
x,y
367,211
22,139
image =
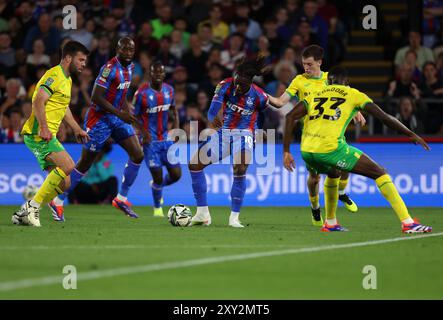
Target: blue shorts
x,y
156,154
102,126
225,143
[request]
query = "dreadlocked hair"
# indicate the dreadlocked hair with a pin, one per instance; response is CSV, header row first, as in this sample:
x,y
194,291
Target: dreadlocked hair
x,y
253,67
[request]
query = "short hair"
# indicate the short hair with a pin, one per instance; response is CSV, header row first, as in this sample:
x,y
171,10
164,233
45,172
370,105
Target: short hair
x,y
429,63
156,63
337,74
71,48
251,68
314,51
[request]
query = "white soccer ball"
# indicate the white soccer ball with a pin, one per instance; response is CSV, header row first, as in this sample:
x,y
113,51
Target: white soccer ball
x,y
29,192
179,215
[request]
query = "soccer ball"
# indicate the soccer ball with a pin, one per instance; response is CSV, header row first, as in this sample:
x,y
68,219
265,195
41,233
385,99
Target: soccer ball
x,y
29,192
179,215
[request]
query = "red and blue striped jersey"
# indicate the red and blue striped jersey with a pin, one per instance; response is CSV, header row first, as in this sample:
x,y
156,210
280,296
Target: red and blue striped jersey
x,y
116,79
152,109
239,111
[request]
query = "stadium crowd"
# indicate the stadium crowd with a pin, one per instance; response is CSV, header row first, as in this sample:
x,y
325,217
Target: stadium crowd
x,y
199,42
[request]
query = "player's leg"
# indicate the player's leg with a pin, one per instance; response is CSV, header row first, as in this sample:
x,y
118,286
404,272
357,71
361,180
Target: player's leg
x,y
349,204
124,135
369,168
237,194
313,182
157,190
331,187
200,189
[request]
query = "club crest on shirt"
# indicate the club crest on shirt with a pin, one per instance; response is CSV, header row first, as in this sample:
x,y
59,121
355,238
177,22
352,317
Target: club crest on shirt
x,y
249,101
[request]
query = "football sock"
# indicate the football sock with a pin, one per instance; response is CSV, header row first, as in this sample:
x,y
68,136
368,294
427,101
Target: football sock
x,y
234,214
156,194
238,192
199,188
75,176
121,198
389,191
331,197
342,186
129,175
50,187
58,201
314,201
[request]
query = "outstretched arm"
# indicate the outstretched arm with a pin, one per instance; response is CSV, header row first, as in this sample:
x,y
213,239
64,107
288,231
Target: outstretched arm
x,y
394,124
280,101
298,112
80,135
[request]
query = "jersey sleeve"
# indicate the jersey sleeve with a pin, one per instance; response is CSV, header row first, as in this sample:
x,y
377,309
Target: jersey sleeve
x,y
292,90
50,82
360,99
263,100
105,76
217,99
137,102
172,94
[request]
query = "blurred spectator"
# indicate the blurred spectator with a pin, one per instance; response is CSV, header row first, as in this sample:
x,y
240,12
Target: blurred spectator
x,y
39,72
145,41
228,10
263,48
165,56
270,31
141,68
284,72
177,45
318,26
16,32
11,132
99,185
162,25
328,12
193,114
126,26
181,25
110,26
406,114
220,30
432,14
195,11
180,100
241,25
205,36
431,86
423,54
242,11
439,64
101,54
180,82
13,97
234,53
38,56
202,102
304,30
411,61
213,57
259,10
404,86
96,11
80,34
7,53
24,12
26,109
216,74
283,30
44,30
195,60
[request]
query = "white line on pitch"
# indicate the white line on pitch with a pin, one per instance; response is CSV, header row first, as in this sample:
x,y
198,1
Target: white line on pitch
x,y
91,275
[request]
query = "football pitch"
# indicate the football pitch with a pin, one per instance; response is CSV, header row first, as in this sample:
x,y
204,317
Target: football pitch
x,y
279,255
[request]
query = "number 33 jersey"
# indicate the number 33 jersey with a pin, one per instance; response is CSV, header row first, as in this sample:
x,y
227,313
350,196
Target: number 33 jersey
x,y
329,112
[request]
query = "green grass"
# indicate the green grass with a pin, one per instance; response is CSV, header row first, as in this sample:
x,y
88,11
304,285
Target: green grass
x,y
97,238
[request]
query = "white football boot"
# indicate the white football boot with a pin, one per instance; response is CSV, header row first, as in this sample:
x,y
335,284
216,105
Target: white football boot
x,y
27,215
235,222
202,217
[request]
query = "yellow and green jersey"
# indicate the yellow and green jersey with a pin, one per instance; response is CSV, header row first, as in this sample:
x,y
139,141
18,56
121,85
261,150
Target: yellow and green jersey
x,y
58,86
302,85
329,112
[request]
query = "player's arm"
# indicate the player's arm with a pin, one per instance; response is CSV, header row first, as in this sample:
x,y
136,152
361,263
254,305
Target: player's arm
x,y
280,101
98,97
136,108
215,109
39,107
176,124
297,113
80,135
394,124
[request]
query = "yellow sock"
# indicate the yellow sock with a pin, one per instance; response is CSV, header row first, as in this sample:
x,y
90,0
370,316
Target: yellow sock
x,y
331,196
314,202
342,185
389,191
50,187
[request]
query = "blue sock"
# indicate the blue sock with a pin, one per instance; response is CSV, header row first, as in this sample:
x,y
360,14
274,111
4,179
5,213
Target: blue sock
x,y
238,193
199,187
75,177
129,175
157,191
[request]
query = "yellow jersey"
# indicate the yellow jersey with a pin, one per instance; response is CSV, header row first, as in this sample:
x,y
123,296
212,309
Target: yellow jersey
x,y
329,112
58,86
302,85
